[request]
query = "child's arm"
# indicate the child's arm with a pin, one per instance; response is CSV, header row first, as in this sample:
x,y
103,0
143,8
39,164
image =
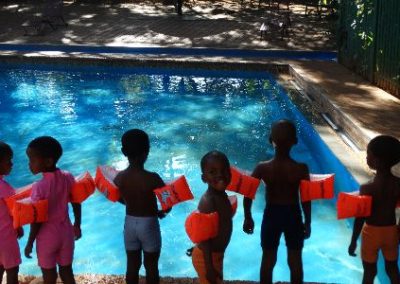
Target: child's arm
x,y
306,206
35,227
117,182
162,213
398,200
206,206
158,184
357,227
77,209
248,224
20,232
36,195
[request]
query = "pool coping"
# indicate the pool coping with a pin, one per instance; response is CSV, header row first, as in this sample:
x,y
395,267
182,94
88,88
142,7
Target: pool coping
x,y
350,156
174,51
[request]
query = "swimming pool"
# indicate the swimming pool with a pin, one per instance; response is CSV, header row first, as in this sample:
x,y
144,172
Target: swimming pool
x,y
186,113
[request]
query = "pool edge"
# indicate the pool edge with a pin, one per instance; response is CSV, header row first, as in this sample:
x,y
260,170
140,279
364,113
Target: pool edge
x,y
353,162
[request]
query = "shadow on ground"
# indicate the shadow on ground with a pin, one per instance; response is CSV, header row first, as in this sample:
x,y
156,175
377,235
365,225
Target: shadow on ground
x,y
226,23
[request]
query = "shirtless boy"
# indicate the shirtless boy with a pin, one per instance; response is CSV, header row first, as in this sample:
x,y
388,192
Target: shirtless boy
x,y
281,176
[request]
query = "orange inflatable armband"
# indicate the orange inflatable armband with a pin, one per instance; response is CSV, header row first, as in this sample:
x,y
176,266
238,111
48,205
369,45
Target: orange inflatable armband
x,y
243,184
26,212
84,187
234,203
173,193
318,187
204,226
20,193
353,205
201,226
104,181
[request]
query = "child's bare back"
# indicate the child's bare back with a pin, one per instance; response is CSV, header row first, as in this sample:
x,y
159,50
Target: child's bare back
x,y
282,178
385,193
136,186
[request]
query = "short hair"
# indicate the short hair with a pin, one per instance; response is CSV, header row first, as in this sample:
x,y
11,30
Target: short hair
x,y
135,142
386,148
214,154
282,131
47,147
5,150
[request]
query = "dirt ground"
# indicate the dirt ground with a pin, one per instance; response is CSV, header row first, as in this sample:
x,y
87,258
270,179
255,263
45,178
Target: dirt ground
x,y
119,279
213,24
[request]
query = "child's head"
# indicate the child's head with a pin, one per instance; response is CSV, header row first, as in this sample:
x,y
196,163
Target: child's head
x,y
383,152
283,134
216,170
6,155
135,145
43,153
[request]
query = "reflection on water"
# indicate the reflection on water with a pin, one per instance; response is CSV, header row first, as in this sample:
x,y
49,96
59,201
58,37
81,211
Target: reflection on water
x,y
185,116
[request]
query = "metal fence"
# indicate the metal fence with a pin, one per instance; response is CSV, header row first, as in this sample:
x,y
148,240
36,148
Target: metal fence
x,y
369,41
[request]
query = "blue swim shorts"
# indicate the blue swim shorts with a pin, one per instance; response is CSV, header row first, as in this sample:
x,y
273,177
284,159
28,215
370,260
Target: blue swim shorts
x,y
142,233
282,219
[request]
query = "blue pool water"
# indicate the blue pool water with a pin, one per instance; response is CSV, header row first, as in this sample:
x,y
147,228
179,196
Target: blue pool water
x,y
186,113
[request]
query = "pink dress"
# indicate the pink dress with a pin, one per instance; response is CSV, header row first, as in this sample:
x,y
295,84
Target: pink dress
x,y
9,249
55,240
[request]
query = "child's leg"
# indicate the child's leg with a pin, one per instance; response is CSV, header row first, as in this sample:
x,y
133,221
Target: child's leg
x,y
134,261
267,266
392,271
370,271
12,275
66,274
49,275
151,266
1,272
296,266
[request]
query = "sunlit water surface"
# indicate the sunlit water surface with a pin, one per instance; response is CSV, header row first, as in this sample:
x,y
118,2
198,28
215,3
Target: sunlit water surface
x,y
186,115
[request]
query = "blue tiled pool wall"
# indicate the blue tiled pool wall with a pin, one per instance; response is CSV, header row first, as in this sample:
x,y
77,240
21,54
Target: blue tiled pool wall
x,y
327,161
331,164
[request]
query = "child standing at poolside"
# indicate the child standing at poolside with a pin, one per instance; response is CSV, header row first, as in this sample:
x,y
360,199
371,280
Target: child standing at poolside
x,y
379,230
142,229
10,257
208,256
54,238
281,176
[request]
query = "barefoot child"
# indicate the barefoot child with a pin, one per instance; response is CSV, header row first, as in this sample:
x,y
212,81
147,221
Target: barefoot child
x,y
281,176
142,229
54,238
379,230
10,257
208,256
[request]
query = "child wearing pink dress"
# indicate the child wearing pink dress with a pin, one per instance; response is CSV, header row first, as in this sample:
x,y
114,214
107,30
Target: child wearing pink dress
x,y
10,257
54,238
